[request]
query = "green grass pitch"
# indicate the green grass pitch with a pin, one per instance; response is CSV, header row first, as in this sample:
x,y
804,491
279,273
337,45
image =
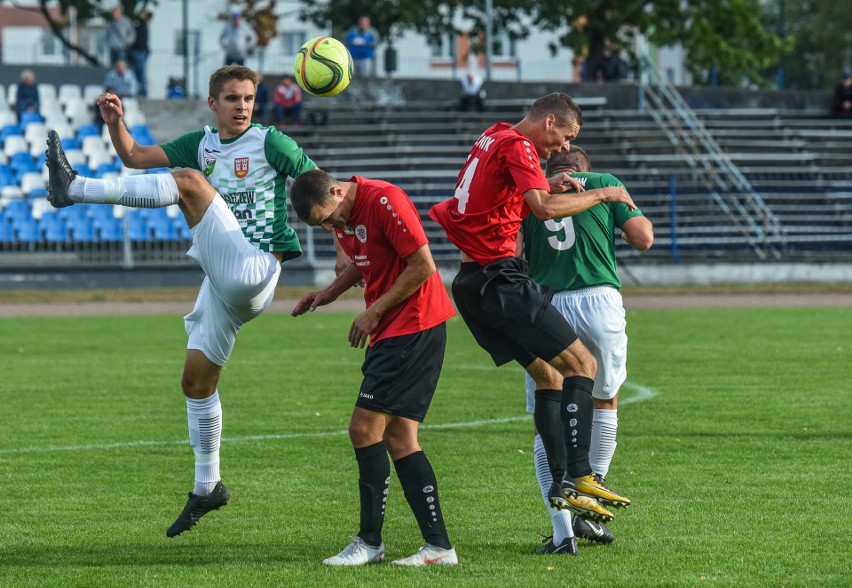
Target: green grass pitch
x,y
735,444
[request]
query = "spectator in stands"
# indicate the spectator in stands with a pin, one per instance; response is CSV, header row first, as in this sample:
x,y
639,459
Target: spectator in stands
x,y
122,80
175,89
609,67
27,99
139,51
472,92
238,40
261,102
842,103
361,40
288,102
120,35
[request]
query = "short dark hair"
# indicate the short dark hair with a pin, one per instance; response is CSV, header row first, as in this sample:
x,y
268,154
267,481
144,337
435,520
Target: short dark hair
x,y
560,105
310,189
225,74
575,158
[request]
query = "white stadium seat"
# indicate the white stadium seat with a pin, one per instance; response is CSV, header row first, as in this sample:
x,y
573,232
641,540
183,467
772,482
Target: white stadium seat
x,y
70,92
15,144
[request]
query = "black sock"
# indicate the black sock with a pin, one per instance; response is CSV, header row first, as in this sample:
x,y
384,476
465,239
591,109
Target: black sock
x,y
548,421
578,409
373,481
421,490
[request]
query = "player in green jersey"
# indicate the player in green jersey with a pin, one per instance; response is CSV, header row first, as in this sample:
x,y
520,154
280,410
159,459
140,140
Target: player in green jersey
x,y
576,257
233,196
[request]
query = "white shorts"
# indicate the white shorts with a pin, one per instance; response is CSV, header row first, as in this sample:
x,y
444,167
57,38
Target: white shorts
x,y
239,284
597,314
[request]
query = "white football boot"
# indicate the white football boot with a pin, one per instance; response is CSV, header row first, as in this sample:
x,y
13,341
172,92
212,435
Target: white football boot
x,y
429,555
357,553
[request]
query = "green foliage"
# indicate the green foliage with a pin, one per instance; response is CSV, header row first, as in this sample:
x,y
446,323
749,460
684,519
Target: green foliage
x,y
736,466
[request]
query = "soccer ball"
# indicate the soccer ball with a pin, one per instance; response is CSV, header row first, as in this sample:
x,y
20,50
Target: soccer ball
x,y
323,66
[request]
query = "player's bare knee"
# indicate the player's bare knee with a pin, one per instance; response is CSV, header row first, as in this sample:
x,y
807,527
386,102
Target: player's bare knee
x,y
191,184
197,387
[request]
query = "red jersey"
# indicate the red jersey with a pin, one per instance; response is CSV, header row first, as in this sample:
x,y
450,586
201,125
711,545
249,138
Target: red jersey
x,y
384,228
484,215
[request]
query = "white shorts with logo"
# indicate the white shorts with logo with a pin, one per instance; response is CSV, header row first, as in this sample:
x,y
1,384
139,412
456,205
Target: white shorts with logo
x,y
597,314
239,284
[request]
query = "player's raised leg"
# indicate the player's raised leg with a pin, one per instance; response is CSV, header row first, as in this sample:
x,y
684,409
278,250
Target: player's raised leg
x,y
66,187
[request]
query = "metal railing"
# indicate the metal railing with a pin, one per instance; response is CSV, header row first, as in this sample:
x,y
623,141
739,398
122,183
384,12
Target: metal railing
x,y
727,186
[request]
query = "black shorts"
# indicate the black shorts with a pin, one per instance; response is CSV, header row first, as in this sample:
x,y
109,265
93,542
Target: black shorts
x,y
509,315
401,373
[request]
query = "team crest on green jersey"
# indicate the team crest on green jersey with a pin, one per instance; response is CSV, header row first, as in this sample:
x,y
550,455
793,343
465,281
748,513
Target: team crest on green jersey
x,y
209,164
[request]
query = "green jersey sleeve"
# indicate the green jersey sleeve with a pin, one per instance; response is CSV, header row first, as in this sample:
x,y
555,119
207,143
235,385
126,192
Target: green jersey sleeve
x,y
183,151
285,155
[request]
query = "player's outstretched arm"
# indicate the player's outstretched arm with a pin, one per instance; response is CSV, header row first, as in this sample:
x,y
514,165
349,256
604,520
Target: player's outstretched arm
x,y
546,206
131,153
638,232
309,303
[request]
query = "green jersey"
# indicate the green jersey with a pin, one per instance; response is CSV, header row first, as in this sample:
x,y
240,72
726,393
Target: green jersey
x,y
250,172
578,251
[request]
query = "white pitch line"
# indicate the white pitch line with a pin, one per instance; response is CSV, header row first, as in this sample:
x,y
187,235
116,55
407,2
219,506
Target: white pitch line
x,y
644,394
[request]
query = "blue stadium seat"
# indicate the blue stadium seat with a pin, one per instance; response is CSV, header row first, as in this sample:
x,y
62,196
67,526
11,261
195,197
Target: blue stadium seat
x,y
105,168
30,117
37,193
110,229
27,231
138,226
83,232
10,130
56,233
17,211
86,130
7,233
70,143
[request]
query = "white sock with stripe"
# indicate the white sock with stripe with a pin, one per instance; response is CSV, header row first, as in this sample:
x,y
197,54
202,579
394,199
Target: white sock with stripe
x,y
604,429
140,191
560,519
205,434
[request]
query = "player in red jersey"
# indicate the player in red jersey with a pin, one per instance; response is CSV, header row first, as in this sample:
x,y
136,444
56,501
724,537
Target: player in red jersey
x,y
378,227
509,315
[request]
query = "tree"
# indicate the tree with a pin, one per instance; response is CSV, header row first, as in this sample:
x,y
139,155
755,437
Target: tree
x,y
728,35
820,35
85,10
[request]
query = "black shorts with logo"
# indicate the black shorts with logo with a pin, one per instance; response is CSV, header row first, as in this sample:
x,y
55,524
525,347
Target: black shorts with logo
x,y
509,315
401,373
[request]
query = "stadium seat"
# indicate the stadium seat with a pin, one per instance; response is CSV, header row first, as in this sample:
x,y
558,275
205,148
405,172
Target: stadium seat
x,y
36,132
27,231
7,117
69,143
37,194
30,181
92,144
83,233
46,93
110,229
38,208
91,93
87,129
12,93
12,193
69,92
7,233
29,118
15,144
138,226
